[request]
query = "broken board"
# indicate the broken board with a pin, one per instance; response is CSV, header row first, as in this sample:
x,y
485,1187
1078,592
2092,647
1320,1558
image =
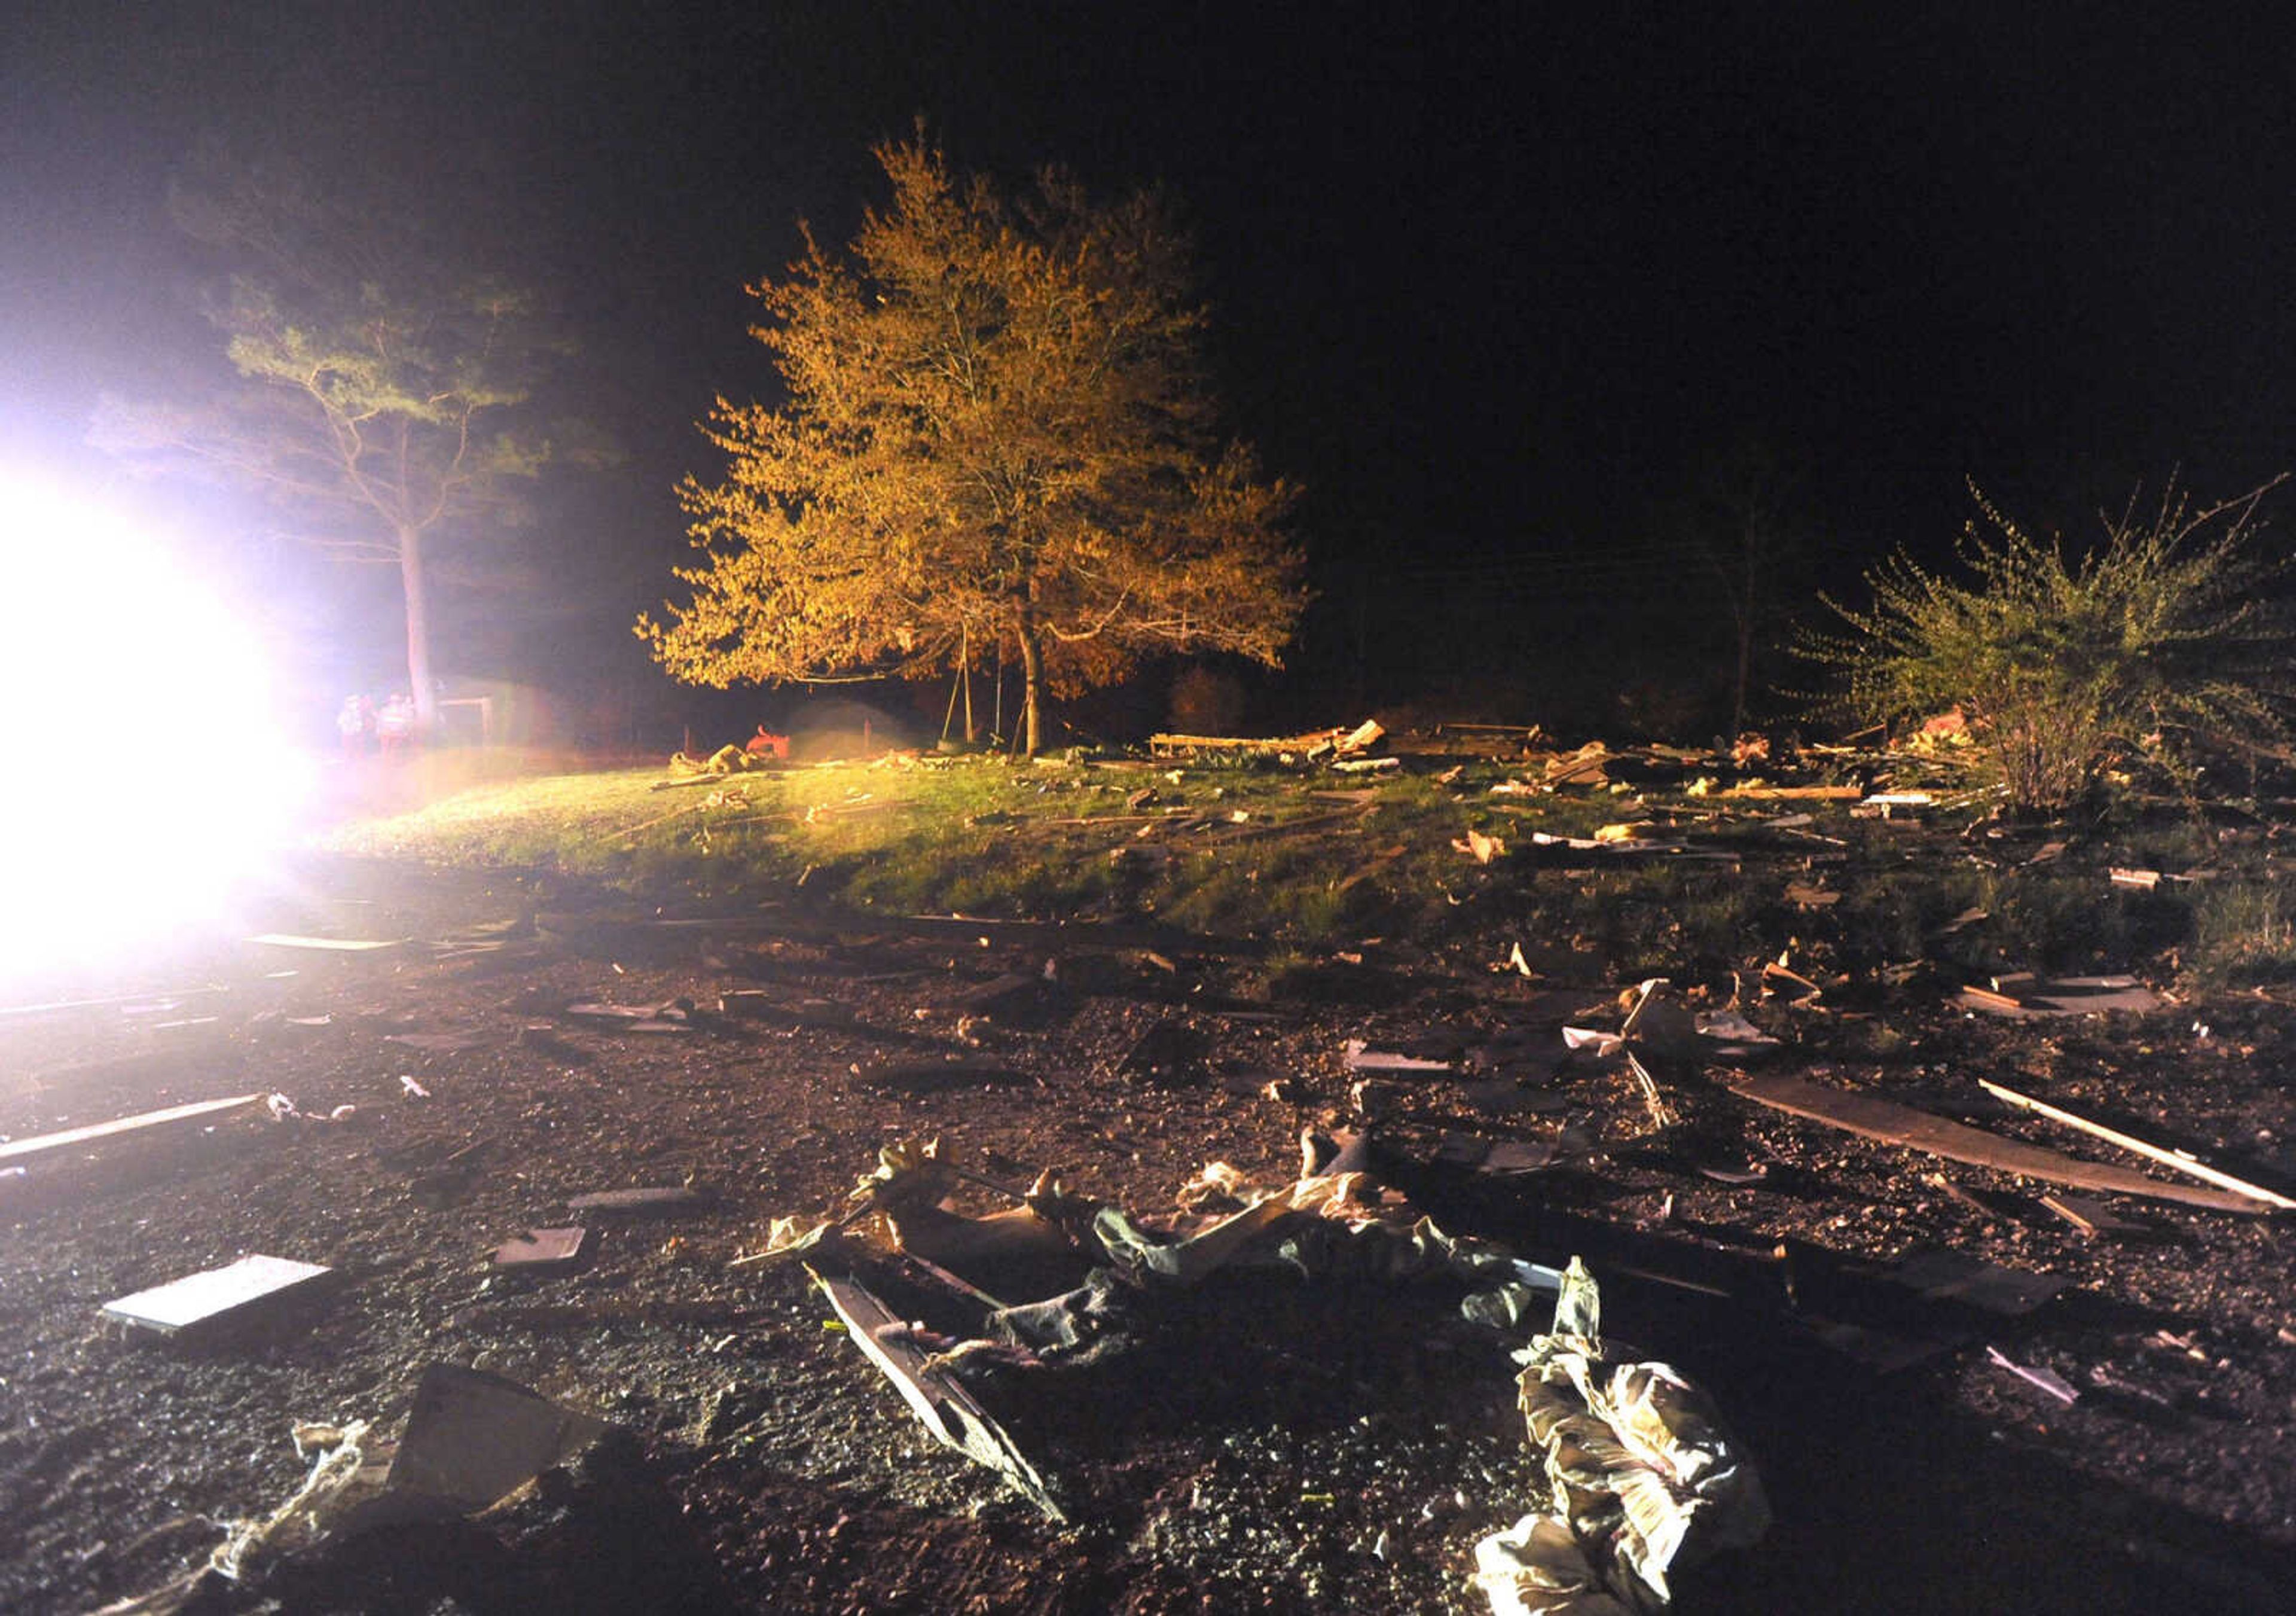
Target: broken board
x,y
2027,1000
18,1150
653,1201
1891,1123
2181,1161
942,1403
209,1298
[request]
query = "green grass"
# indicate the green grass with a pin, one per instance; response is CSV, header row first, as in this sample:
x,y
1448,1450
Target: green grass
x,y
2244,932
1262,852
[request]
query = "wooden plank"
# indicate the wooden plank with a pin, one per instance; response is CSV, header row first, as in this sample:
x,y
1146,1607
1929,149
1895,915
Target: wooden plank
x,y
1796,793
2177,1160
653,1201
208,1298
328,945
2025,997
118,1000
2090,1216
1159,745
20,1148
1891,1123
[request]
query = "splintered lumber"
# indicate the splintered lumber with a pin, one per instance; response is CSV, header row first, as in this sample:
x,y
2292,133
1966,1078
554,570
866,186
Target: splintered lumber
x,y
1796,793
940,1402
1894,1124
40,1144
1342,742
2166,1157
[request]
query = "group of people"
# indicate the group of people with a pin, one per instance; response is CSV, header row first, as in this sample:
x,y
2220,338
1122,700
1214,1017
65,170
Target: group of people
x,y
364,727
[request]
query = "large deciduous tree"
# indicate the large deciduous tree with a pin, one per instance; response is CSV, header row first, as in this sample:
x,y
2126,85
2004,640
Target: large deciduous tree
x,y
997,439
374,397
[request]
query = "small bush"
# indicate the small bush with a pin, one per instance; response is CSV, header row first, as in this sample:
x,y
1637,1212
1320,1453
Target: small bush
x,y
2158,645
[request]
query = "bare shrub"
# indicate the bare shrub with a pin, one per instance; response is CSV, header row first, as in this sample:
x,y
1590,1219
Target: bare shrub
x,y
2158,645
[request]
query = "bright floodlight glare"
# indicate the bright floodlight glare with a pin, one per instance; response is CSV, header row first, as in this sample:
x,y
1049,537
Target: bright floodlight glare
x,y
144,781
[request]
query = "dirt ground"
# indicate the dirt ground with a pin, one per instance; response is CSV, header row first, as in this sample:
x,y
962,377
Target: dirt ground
x,y
1277,1446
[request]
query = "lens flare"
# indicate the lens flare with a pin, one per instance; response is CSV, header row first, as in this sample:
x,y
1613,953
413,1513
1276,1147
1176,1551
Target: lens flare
x,y
146,779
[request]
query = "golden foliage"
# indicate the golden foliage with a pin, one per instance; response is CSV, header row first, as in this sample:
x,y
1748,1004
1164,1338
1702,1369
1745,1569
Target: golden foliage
x,y
996,439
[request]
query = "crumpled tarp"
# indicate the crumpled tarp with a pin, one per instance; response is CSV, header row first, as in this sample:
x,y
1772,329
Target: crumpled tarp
x,y
1645,1481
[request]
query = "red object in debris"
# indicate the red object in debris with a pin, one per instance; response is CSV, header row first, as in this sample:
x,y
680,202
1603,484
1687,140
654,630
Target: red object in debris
x,y
764,743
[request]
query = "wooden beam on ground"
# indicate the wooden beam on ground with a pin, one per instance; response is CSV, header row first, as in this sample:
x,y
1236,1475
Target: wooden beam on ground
x,y
2166,1157
1891,1123
1796,793
113,1001
40,1144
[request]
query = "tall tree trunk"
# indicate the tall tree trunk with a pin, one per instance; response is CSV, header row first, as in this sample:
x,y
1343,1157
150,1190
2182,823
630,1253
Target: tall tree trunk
x,y
1745,677
964,654
1032,667
418,631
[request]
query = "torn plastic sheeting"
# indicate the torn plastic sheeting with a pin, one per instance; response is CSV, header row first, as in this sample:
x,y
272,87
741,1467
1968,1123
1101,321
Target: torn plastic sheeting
x,y
1536,1568
1645,1481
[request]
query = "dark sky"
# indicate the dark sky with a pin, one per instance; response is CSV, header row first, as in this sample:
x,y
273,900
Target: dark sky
x,y
1491,279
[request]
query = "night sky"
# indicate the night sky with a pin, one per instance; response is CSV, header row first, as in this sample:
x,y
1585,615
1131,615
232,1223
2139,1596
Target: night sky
x,y
1493,281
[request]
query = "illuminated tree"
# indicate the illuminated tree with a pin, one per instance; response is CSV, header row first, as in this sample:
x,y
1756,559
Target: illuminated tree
x,y
373,397
997,441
